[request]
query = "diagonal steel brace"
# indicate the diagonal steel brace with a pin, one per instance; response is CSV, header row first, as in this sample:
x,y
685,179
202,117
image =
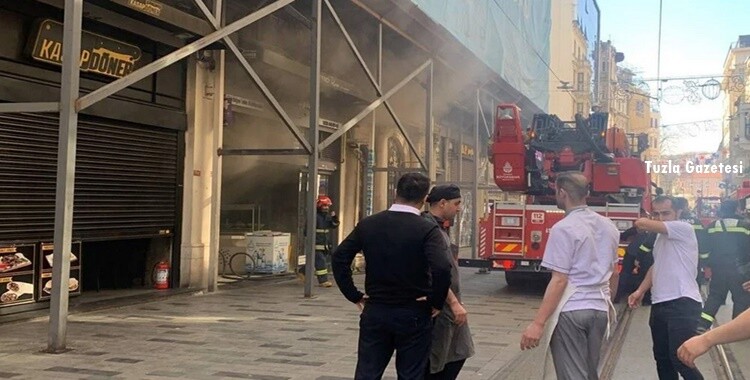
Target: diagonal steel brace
x,y
258,81
175,56
375,104
374,82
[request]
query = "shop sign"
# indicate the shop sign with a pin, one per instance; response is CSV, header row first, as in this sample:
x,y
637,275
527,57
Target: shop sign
x,y
148,7
99,54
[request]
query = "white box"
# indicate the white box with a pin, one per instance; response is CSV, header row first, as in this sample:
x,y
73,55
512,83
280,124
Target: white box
x,y
270,250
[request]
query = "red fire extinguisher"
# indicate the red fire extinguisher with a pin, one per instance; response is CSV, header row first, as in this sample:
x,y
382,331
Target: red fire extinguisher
x,y
161,274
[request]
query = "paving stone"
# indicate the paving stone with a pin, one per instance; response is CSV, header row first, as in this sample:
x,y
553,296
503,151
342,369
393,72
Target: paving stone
x,y
83,371
177,341
166,373
274,345
124,360
288,337
290,354
314,339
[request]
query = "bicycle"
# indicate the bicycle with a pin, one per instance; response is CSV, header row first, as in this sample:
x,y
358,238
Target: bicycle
x,y
237,260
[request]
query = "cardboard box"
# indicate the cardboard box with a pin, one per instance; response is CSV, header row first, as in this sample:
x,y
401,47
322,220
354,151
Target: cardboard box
x,y
269,250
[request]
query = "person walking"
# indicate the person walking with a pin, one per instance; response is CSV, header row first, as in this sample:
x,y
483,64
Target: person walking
x,y
407,278
635,264
451,338
675,297
728,251
575,313
325,222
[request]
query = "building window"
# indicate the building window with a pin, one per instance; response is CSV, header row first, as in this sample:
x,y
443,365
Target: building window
x,y
747,127
580,82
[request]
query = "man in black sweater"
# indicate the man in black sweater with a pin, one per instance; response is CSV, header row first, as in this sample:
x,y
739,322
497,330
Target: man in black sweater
x,y
406,282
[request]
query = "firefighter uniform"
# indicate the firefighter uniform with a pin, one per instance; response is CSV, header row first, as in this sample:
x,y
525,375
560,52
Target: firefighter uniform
x,y
636,263
325,223
702,236
729,260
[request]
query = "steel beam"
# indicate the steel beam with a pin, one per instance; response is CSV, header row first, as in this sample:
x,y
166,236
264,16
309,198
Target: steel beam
x,y
171,58
375,83
217,116
263,152
429,148
375,104
475,204
259,82
66,165
481,112
312,163
29,107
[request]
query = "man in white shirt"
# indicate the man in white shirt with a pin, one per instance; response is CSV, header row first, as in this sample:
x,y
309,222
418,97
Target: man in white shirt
x,y
675,297
581,252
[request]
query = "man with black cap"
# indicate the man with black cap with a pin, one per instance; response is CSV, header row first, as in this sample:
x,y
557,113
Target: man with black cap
x,y
451,337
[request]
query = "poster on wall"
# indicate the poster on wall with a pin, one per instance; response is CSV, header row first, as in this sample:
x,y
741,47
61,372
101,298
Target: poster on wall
x,y
47,262
17,274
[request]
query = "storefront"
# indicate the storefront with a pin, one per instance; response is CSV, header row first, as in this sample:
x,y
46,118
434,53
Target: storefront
x,y
130,154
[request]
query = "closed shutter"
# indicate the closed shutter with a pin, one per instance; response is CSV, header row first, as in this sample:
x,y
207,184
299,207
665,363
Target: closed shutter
x,y
126,179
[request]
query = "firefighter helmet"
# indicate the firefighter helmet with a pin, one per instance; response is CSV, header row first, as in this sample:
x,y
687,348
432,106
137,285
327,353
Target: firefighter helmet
x,y
323,201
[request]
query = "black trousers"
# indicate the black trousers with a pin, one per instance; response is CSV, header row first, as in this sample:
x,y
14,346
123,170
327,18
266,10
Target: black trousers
x,y
450,371
321,267
385,328
722,282
672,323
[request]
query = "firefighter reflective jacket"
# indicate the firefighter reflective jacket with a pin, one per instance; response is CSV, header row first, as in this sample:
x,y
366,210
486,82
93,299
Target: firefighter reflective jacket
x,y
701,234
729,244
324,224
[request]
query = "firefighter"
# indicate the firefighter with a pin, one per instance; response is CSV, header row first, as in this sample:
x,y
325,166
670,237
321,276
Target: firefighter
x,y
700,234
728,242
635,264
325,222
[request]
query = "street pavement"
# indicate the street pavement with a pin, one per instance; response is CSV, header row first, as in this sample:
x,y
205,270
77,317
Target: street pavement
x,y
249,331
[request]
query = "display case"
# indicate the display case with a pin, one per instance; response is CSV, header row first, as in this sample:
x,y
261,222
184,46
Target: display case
x,y
240,218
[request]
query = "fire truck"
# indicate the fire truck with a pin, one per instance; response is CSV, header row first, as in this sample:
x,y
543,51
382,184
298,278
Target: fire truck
x,y
742,194
707,209
513,234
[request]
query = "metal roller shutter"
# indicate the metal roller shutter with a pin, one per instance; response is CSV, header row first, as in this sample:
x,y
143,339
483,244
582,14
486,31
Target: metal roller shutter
x,y
126,179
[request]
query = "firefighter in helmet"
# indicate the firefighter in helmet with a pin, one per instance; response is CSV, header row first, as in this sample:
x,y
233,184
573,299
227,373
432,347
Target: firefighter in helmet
x,y
729,260
325,222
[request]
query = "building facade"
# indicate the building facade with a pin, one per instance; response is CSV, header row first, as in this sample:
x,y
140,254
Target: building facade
x,y
736,124
574,37
179,166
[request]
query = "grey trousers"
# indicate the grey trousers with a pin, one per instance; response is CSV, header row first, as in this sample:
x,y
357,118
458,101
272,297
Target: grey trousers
x,y
576,344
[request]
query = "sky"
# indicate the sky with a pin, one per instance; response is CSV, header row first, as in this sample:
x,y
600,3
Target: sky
x,y
696,35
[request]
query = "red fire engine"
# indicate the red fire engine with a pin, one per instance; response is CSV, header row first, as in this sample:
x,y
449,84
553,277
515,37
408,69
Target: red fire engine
x,y
742,194
513,234
707,209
